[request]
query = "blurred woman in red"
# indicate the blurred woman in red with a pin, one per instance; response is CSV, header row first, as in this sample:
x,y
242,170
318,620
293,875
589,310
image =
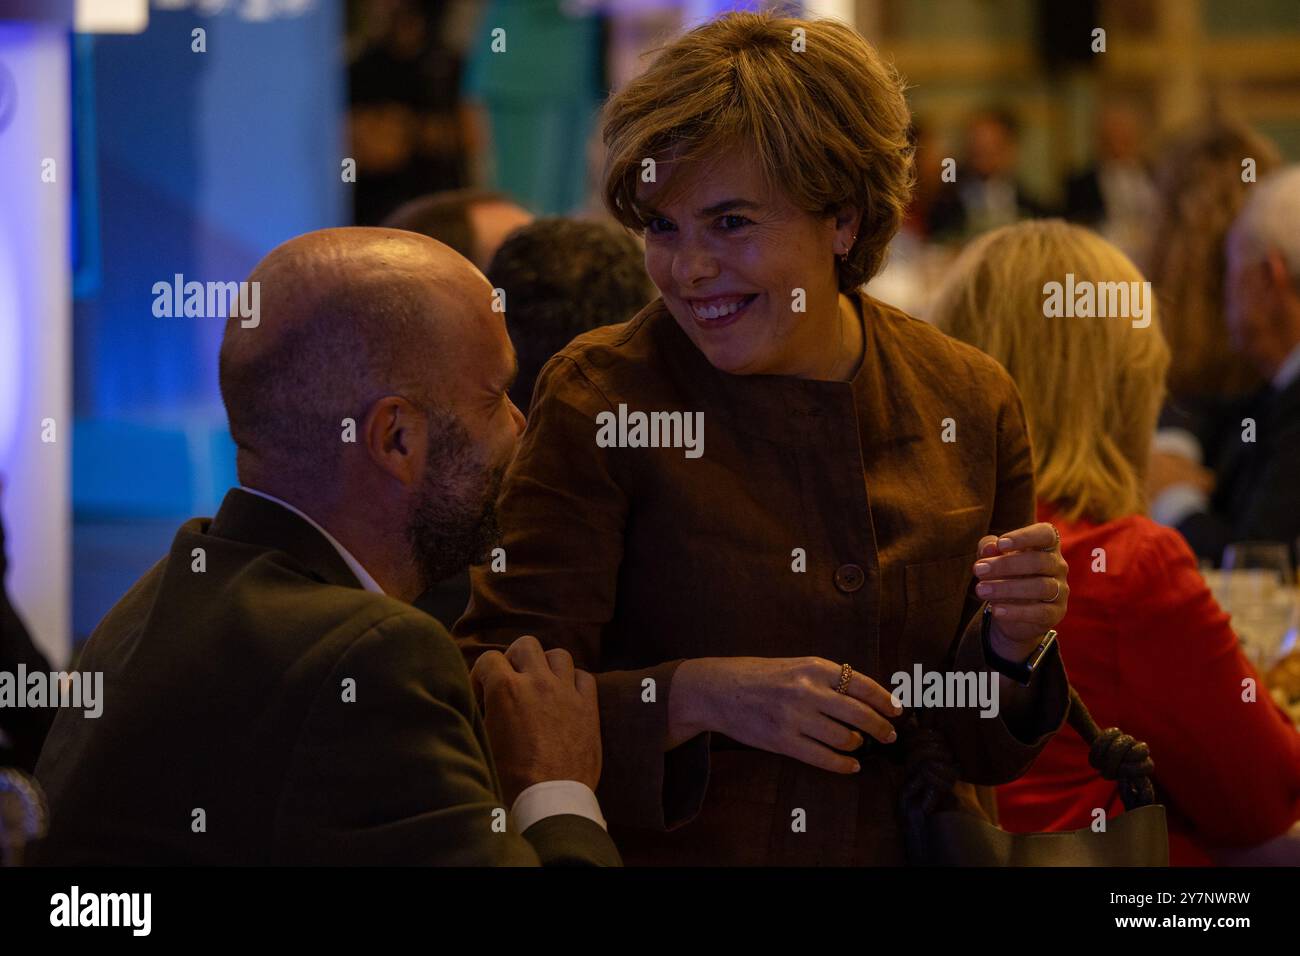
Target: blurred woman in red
x,y
1143,640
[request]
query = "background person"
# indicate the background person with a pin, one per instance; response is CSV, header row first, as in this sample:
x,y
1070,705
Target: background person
x,y
1144,642
474,222
1200,189
987,192
1115,195
1248,491
563,277
22,729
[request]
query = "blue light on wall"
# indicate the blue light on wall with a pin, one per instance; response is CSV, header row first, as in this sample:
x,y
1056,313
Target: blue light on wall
x,y
196,163
192,163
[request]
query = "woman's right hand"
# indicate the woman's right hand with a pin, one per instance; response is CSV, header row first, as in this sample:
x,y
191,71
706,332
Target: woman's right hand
x,y
786,705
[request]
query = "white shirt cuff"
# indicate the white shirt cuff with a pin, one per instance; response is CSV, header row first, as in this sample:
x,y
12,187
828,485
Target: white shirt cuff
x,y
553,797
1177,503
1180,442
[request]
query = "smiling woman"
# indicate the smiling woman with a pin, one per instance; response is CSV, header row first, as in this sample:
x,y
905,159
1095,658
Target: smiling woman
x,y
743,610
749,279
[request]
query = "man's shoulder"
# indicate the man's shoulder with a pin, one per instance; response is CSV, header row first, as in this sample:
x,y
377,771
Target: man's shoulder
x,y
289,613
212,601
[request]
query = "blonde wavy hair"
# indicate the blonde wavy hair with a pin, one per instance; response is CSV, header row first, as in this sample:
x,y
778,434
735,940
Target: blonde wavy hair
x,y
1198,180
828,124
1092,387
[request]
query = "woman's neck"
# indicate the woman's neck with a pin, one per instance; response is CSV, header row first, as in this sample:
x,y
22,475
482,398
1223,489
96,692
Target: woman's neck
x,y
847,343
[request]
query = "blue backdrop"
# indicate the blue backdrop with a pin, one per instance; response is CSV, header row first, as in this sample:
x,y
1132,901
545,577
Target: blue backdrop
x,y
192,163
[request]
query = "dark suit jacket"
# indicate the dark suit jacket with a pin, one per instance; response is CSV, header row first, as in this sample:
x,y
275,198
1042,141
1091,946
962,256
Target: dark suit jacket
x,y
637,558
948,217
224,691
1083,200
1257,484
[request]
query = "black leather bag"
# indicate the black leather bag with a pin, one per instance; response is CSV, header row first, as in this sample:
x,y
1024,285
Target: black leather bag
x,y
940,836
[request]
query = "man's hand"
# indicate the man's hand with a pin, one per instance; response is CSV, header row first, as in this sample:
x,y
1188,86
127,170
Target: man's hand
x,y
1023,578
1165,469
541,716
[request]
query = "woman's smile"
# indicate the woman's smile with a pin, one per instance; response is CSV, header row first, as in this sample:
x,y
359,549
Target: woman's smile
x,y
720,311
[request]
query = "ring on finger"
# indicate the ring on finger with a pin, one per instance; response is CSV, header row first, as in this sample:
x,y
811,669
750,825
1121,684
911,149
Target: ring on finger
x,y
846,675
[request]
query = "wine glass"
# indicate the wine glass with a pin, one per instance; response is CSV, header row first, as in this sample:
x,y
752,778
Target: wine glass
x,y
1258,592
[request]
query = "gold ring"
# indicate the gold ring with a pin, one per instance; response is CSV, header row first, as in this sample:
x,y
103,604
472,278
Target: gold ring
x,y
1052,599
846,674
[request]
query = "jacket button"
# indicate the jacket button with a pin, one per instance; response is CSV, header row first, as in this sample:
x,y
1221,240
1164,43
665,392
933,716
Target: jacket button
x,y
849,577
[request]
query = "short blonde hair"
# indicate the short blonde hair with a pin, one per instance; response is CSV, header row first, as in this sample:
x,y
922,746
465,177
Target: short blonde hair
x,y
1092,387
828,124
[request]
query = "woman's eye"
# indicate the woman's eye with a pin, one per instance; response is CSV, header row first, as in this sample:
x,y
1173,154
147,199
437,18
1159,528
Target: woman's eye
x,y
659,225
731,223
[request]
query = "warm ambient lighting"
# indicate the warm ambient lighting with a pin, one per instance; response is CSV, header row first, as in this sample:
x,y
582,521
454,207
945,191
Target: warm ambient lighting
x,y
112,16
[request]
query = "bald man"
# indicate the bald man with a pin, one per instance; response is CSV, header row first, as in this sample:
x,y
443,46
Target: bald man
x,y
270,695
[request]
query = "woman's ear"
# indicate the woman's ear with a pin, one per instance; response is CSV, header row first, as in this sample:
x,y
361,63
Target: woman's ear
x,y
847,221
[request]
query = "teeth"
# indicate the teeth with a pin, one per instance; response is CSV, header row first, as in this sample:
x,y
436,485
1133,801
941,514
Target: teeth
x,y
717,308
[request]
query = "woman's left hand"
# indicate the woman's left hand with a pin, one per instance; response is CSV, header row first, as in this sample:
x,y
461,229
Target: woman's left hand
x,y
1022,576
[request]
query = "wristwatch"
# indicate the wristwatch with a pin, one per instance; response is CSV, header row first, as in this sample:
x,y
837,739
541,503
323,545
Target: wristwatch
x,y
1019,671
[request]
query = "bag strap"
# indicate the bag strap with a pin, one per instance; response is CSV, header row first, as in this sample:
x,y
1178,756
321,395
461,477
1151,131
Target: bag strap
x,y
930,770
1116,756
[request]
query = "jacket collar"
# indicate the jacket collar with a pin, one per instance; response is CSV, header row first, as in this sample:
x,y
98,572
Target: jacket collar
x,y
250,519
810,412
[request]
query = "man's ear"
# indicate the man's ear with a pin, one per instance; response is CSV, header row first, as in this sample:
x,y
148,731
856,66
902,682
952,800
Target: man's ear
x,y
394,434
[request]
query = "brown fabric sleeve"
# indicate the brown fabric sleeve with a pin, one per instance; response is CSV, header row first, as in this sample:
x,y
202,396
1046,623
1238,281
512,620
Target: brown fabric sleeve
x,y
987,749
645,786
564,512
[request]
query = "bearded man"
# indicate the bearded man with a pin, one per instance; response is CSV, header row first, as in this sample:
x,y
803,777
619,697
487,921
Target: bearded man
x,y
270,694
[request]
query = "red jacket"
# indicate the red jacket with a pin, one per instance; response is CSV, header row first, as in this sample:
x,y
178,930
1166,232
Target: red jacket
x,y
1151,652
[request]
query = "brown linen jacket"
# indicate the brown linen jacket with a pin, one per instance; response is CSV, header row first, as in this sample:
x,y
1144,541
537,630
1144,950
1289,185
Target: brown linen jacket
x,y
634,559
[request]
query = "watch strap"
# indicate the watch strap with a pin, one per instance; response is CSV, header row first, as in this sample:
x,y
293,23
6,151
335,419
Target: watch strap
x,y
1019,671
